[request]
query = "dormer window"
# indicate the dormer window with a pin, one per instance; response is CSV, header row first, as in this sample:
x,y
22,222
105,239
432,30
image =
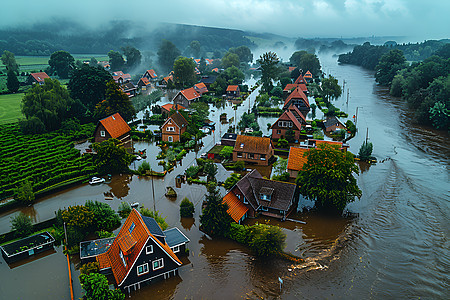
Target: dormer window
x,y
265,194
123,258
242,145
131,227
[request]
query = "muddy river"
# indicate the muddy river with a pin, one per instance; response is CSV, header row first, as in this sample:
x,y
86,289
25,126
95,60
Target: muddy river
x,y
396,247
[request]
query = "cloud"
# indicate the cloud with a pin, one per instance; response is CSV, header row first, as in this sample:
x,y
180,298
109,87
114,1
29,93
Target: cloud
x,y
287,17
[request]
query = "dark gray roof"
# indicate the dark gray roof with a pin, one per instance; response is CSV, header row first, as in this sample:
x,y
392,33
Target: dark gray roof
x,y
252,184
331,121
152,226
209,79
95,247
229,136
29,243
174,237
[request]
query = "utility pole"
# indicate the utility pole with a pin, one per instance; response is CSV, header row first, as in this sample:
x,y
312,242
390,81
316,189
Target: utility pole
x,y
367,134
356,116
153,191
348,91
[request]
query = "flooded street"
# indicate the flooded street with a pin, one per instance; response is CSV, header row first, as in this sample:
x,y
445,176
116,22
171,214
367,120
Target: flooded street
x,y
396,247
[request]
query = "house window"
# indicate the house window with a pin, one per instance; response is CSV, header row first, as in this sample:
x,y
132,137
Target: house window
x,y
149,249
170,128
123,258
170,139
158,264
245,200
102,133
131,228
239,154
251,155
278,131
242,145
142,269
263,157
176,249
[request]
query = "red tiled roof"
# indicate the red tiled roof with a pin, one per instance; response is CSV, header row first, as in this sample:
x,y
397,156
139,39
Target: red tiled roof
x,y
169,106
232,88
215,70
144,80
308,74
166,79
115,125
291,69
252,144
300,79
190,93
297,94
140,235
296,160
290,86
201,88
39,77
336,143
236,209
303,87
152,73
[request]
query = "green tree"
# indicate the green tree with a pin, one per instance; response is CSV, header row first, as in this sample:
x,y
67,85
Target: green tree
x,y
49,103
9,60
226,152
330,88
186,208
93,62
232,180
62,63
105,218
24,194
327,178
365,151
155,215
22,224
306,61
388,66
195,48
280,166
210,169
167,53
12,83
233,75
215,219
116,60
229,60
267,240
244,53
133,56
78,216
269,65
184,72
202,65
440,115
88,84
97,288
112,156
124,209
313,110
116,101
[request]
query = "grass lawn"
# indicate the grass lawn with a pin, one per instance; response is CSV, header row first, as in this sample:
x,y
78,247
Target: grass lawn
x,y
10,108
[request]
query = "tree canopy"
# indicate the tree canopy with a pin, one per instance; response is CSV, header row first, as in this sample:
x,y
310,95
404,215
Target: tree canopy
x,y
115,101
62,63
12,83
327,178
268,62
215,219
306,61
184,72
133,56
111,156
116,60
167,53
230,59
244,53
97,288
9,60
330,88
388,66
195,48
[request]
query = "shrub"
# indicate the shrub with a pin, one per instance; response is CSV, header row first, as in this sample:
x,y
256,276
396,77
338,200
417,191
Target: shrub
x,y
145,166
104,217
24,194
226,152
232,180
282,143
124,209
282,177
186,208
267,240
192,171
22,225
365,151
90,267
103,234
155,215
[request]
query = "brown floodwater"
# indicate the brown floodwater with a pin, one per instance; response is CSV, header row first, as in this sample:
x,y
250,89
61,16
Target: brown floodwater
x,y
396,245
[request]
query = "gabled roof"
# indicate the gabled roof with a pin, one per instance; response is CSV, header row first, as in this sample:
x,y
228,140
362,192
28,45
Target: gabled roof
x,y
39,77
124,76
201,88
174,237
232,88
236,209
151,73
252,184
215,70
170,106
127,86
300,79
115,125
152,226
292,69
308,75
134,240
331,121
190,94
289,87
252,144
166,79
178,119
144,80
294,115
297,94
296,160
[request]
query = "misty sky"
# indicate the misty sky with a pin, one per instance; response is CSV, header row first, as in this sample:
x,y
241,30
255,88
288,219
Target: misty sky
x,y
307,18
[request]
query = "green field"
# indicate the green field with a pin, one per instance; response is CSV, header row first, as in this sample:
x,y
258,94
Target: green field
x,y
10,108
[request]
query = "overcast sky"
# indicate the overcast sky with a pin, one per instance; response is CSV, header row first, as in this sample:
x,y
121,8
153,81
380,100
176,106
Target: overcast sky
x,y
307,18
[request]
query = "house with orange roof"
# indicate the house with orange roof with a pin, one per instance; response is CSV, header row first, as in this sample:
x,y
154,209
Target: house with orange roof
x,y
121,77
254,195
292,69
143,83
290,87
291,119
201,88
150,75
142,253
253,150
113,127
340,145
233,91
166,108
173,128
308,76
186,97
300,80
215,70
37,78
166,80
298,99
296,160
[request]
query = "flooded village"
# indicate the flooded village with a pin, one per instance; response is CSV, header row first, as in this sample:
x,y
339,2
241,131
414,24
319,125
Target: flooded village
x,y
203,181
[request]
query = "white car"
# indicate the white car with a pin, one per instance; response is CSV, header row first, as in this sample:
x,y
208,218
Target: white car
x,y
95,180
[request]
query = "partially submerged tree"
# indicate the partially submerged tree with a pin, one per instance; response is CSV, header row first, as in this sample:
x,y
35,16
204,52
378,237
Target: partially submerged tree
x,y
365,151
330,88
186,208
22,225
111,156
267,240
214,219
97,288
327,178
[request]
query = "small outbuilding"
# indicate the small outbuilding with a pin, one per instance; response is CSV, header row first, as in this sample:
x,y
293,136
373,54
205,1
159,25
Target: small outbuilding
x,y
27,247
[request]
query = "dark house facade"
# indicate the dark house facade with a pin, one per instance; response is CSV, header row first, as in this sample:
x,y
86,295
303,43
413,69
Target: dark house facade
x,y
291,119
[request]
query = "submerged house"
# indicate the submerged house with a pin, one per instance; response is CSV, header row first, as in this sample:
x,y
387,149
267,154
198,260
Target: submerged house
x,y
233,91
332,124
27,247
299,99
113,127
173,128
254,195
186,97
291,119
253,150
142,253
